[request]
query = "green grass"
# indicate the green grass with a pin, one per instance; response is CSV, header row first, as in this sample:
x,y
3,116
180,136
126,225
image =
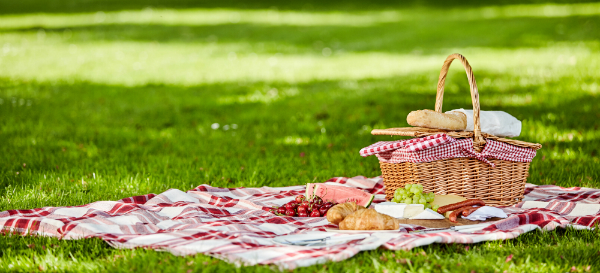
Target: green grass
x,y
105,105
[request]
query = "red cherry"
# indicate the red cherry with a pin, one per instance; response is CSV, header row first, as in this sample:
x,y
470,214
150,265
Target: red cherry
x,y
301,208
323,210
302,214
305,203
315,213
299,199
281,210
290,205
290,212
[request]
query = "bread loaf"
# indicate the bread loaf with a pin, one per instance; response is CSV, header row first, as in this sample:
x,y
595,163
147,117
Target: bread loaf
x,y
455,121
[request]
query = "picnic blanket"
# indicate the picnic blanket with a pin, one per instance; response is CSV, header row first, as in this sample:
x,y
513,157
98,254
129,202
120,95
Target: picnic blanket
x,y
233,224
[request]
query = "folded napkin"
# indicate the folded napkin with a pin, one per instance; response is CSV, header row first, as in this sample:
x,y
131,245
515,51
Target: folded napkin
x,y
486,212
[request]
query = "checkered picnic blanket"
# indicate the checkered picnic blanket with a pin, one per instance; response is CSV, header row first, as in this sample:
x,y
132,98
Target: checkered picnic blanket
x,y
233,224
442,146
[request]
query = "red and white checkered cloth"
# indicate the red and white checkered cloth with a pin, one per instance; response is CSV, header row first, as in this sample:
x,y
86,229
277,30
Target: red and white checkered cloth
x,y
413,144
441,146
232,223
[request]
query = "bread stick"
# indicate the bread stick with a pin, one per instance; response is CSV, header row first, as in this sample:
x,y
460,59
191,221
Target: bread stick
x,y
431,119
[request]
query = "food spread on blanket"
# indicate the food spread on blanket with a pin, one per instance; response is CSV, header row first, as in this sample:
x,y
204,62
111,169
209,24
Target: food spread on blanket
x,y
344,206
416,205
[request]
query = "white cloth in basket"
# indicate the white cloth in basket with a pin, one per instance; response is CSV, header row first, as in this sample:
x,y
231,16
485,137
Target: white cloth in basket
x,y
498,123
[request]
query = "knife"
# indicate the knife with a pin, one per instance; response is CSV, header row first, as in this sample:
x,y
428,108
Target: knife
x,y
308,242
465,228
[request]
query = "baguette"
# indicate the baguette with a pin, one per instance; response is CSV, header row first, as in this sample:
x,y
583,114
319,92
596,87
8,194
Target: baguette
x,y
453,120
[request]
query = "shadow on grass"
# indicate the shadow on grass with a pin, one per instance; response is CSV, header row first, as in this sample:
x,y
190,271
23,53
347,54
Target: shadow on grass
x,y
69,6
424,36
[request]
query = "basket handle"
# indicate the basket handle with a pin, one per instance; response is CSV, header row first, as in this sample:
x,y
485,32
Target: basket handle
x,y
478,140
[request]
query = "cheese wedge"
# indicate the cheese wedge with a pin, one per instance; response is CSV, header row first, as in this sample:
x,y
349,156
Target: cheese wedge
x,y
442,200
428,214
412,210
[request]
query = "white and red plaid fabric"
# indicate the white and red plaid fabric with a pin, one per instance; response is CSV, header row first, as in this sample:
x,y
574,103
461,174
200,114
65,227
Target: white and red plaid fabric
x,y
232,223
413,144
441,146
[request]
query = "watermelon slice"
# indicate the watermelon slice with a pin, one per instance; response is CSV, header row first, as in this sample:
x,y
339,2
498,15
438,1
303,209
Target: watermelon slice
x,y
340,194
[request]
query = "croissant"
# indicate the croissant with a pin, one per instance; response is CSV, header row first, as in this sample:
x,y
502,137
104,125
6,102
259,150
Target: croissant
x,y
369,219
338,212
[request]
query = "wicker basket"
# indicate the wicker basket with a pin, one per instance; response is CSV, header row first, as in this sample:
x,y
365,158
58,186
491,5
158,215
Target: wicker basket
x,y
503,185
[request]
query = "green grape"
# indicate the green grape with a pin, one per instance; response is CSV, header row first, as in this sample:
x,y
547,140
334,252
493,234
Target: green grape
x,y
420,187
429,198
415,200
408,201
396,199
408,186
415,190
422,201
404,196
427,206
435,207
397,192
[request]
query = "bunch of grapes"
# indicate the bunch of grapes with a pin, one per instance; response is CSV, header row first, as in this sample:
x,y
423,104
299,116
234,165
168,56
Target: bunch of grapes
x,y
302,207
413,194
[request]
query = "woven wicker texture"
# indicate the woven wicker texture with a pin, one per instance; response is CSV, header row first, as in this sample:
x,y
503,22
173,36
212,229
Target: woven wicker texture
x,y
503,185
467,177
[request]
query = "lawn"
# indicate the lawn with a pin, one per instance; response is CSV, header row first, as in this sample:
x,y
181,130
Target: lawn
x,y
104,100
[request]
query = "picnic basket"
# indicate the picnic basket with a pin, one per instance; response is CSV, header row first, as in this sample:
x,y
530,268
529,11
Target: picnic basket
x,y
468,177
